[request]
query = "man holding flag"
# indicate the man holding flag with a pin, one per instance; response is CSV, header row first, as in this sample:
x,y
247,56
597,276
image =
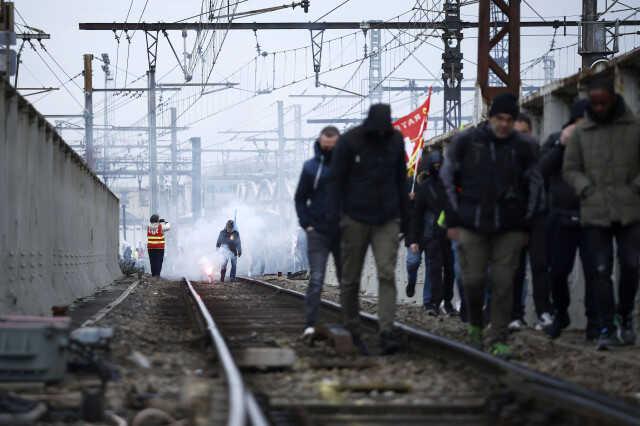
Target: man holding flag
x,y
412,126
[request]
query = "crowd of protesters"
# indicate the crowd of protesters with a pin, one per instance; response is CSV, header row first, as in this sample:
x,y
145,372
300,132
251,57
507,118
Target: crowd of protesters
x,y
483,210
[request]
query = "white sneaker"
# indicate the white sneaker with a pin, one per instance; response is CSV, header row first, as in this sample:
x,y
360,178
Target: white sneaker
x,y
545,320
308,334
516,325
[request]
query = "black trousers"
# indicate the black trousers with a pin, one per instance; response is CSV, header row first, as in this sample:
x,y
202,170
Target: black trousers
x,y
562,248
439,256
598,260
156,256
537,251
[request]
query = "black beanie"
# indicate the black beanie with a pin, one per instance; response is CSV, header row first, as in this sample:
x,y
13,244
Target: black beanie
x,y
577,110
504,103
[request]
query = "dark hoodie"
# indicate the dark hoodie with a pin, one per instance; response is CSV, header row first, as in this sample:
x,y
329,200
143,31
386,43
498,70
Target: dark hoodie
x,y
312,194
431,201
369,172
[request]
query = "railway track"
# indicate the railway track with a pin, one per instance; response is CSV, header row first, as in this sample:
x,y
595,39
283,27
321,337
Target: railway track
x,y
434,380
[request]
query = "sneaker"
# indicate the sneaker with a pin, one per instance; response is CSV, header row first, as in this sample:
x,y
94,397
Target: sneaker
x,y
517,325
627,333
475,336
410,290
308,335
501,350
388,344
609,338
545,320
449,310
360,345
560,322
431,310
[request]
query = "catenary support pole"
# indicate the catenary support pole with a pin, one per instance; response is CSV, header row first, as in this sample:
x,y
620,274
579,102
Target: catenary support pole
x,y
88,110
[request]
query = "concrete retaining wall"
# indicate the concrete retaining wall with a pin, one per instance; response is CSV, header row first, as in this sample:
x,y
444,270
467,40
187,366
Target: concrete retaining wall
x,y
58,221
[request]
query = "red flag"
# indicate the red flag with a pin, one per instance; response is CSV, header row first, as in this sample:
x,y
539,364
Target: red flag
x,y
412,127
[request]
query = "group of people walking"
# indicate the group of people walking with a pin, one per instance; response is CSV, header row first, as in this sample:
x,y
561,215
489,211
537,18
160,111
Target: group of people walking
x,y
479,209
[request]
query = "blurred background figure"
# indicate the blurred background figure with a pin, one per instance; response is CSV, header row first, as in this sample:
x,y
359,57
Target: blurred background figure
x,y
231,248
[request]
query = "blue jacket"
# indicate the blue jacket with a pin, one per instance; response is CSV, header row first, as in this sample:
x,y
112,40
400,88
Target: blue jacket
x,y
312,194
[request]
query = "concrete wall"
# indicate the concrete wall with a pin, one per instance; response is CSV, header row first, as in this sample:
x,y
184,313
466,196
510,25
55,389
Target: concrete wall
x,y
58,221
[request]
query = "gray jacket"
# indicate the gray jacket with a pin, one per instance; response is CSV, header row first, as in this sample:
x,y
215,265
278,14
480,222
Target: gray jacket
x,y
602,163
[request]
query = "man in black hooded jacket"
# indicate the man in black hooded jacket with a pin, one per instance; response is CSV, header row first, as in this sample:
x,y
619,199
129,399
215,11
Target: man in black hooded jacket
x,y
427,231
367,199
311,200
563,228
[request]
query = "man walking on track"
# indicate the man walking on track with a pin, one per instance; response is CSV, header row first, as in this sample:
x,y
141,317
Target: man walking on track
x,y
312,196
367,200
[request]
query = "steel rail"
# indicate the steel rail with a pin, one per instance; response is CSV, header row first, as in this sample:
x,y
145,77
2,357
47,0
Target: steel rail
x,y
242,405
552,389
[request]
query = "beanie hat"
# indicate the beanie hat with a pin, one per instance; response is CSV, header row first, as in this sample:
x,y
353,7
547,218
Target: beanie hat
x,y
577,110
505,103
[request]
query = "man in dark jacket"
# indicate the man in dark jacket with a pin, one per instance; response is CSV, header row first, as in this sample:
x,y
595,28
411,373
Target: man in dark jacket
x,y
311,200
367,199
563,228
493,184
602,164
535,253
427,232
229,239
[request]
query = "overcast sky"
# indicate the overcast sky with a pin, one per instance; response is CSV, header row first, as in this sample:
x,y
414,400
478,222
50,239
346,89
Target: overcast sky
x,y
215,112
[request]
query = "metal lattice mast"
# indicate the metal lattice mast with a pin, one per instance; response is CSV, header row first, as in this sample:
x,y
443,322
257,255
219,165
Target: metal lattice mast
x,y
375,66
452,66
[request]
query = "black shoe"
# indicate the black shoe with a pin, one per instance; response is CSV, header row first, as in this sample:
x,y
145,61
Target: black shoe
x,y
360,345
609,338
449,310
627,332
431,310
592,332
388,344
410,290
222,274
560,322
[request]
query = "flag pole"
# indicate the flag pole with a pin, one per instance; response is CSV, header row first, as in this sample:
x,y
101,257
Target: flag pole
x,y
420,142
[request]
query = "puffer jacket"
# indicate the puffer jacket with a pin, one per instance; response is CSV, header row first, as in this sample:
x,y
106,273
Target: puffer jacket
x,y
368,173
312,193
493,184
602,164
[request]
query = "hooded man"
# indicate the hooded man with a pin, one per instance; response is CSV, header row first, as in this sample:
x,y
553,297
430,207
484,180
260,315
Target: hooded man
x,y
367,199
493,185
428,232
563,228
230,239
602,164
312,199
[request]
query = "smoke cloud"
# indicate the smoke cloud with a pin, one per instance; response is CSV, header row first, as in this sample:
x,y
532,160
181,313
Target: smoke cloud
x,y
269,241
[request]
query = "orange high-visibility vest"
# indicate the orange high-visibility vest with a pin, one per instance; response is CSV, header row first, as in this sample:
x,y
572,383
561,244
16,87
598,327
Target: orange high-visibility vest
x,y
155,239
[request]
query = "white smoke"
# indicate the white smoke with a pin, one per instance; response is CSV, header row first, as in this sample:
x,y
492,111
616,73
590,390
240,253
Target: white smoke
x,y
268,242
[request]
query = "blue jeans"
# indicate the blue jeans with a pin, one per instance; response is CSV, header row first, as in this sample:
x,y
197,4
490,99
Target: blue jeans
x,y
234,259
319,246
413,264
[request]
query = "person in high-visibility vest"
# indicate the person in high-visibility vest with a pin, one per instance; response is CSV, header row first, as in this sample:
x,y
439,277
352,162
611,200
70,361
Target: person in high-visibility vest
x,y
156,243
